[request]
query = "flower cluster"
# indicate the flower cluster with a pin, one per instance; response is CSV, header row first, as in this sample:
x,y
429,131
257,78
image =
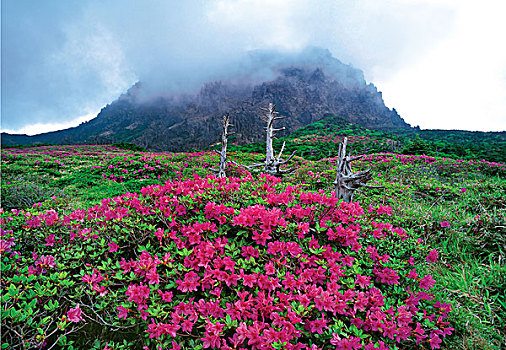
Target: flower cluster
x,y
244,263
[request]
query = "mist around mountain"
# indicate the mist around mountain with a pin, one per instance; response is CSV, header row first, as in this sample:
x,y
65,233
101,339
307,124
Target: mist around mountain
x,y
305,87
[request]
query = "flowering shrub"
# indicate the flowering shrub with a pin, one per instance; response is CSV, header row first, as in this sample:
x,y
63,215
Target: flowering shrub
x,y
21,192
217,263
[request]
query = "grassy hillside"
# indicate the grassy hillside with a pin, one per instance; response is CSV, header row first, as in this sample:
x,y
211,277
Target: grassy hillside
x,y
319,140
85,271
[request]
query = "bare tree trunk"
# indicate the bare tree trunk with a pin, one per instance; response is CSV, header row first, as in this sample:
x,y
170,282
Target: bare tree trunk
x,y
269,118
272,163
224,142
347,182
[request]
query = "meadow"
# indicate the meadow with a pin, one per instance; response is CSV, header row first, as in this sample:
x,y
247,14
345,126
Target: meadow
x,y
109,248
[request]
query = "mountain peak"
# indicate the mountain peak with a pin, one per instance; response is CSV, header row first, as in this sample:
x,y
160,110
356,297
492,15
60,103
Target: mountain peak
x,y
305,86
317,76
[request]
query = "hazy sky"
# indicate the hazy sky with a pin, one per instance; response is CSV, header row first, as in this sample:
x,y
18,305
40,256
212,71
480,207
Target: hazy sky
x,y
440,63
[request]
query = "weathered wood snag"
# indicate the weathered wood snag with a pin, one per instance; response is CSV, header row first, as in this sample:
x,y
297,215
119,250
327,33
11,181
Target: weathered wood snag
x,y
272,163
224,142
347,182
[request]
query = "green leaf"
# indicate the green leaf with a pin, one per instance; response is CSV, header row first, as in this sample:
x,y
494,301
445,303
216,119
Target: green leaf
x,y
12,290
14,313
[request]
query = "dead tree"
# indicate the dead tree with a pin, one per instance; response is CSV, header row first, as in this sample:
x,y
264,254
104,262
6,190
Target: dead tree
x,y
224,142
347,182
272,164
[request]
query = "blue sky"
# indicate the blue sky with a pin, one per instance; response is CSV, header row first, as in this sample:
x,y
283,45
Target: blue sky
x,y
440,63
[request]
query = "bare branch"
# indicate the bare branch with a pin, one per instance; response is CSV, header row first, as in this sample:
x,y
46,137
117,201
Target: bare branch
x,y
289,158
272,163
347,182
288,171
281,152
224,142
256,165
370,186
356,158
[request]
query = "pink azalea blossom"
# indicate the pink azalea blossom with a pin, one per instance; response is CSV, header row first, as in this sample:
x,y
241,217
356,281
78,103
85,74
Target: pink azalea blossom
x,y
122,312
175,346
137,293
435,341
433,256
427,282
363,281
444,224
113,247
74,314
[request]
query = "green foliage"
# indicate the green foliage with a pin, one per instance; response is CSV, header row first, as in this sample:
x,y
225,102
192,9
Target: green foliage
x,y
24,191
454,205
490,146
129,146
417,146
126,265
321,139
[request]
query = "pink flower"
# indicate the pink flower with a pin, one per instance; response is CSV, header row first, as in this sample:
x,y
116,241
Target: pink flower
x,y
122,312
433,255
4,246
152,276
318,325
444,224
157,330
463,190
363,281
249,280
113,247
166,296
412,274
187,326
50,240
46,261
190,283
175,346
434,342
269,268
74,314
427,282
248,252
144,315
137,293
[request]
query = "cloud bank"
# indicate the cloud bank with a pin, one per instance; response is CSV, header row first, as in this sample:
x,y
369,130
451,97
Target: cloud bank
x,y
62,60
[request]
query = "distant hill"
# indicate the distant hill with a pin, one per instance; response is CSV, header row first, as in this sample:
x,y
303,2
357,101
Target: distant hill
x,y
305,89
321,139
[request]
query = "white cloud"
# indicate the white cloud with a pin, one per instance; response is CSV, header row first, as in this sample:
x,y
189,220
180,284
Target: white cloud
x,y
39,128
440,63
264,23
460,83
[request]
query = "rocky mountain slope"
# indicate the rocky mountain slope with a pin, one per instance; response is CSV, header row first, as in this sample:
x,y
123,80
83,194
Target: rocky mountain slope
x,y
304,88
